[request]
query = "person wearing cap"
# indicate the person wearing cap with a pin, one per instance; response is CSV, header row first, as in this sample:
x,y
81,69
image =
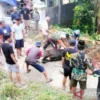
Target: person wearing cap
x,y
15,14
19,36
82,65
76,34
66,61
57,38
33,54
26,16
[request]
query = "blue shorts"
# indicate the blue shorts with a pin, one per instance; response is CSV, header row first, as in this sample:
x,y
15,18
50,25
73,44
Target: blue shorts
x,y
19,44
38,67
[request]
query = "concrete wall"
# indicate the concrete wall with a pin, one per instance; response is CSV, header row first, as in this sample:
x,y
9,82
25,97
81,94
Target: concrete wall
x,y
67,13
61,14
52,12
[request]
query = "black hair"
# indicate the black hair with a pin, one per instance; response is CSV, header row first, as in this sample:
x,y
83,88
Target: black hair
x,y
6,36
0,22
67,35
18,19
76,35
72,44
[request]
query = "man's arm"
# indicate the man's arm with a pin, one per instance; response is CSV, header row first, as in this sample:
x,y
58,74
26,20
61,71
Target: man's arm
x,y
62,61
12,17
60,42
29,14
63,57
23,34
13,58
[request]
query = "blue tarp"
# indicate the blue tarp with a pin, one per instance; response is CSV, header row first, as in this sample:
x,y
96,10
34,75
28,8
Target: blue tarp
x,y
11,2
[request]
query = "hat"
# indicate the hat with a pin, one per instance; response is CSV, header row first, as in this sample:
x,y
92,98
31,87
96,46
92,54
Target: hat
x,y
81,45
14,21
38,43
62,35
77,31
72,42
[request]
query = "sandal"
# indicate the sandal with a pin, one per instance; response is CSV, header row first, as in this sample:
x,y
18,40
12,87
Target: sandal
x,y
50,80
29,71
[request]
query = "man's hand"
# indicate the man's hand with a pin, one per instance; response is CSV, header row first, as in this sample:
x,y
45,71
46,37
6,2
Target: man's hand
x,y
17,65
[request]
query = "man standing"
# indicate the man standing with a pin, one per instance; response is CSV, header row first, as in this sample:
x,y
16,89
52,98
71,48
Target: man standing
x,y
10,58
36,19
45,28
18,33
15,14
66,61
33,54
82,65
26,16
6,28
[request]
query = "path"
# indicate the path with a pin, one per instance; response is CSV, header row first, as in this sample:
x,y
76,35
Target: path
x,y
52,70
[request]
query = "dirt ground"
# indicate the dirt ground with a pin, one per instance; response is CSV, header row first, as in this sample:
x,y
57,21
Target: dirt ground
x,y
52,70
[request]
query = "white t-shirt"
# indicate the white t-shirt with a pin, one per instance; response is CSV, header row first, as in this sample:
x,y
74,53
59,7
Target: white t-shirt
x,y
44,28
17,30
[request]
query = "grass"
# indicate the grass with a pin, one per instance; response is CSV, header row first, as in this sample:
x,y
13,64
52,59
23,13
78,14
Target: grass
x,y
33,91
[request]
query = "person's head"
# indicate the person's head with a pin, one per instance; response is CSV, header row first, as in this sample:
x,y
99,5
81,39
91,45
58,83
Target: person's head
x,y
24,5
18,21
77,33
3,23
48,19
7,37
38,44
72,42
81,45
14,9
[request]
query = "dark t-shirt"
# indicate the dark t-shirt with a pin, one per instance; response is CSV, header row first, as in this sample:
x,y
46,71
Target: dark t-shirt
x,y
67,55
8,50
25,12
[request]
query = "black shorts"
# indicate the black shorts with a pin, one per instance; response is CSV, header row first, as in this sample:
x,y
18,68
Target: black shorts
x,y
67,72
19,44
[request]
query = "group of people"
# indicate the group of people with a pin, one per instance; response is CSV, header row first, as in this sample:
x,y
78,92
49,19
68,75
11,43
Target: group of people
x,y
75,62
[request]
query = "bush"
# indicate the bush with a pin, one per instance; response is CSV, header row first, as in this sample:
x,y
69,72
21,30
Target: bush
x,y
84,18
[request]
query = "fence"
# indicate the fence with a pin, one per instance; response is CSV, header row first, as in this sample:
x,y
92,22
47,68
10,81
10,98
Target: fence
x,y
61,14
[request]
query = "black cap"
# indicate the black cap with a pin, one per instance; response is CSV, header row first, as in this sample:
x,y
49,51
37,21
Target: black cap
x,y
81,45
72,42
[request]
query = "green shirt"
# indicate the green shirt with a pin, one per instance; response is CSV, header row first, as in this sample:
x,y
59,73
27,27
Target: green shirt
x,y
55,36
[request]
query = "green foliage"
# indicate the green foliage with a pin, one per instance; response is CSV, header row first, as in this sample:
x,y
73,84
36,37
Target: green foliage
x,y
95,37
84,17
33,91
9,90
61,28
